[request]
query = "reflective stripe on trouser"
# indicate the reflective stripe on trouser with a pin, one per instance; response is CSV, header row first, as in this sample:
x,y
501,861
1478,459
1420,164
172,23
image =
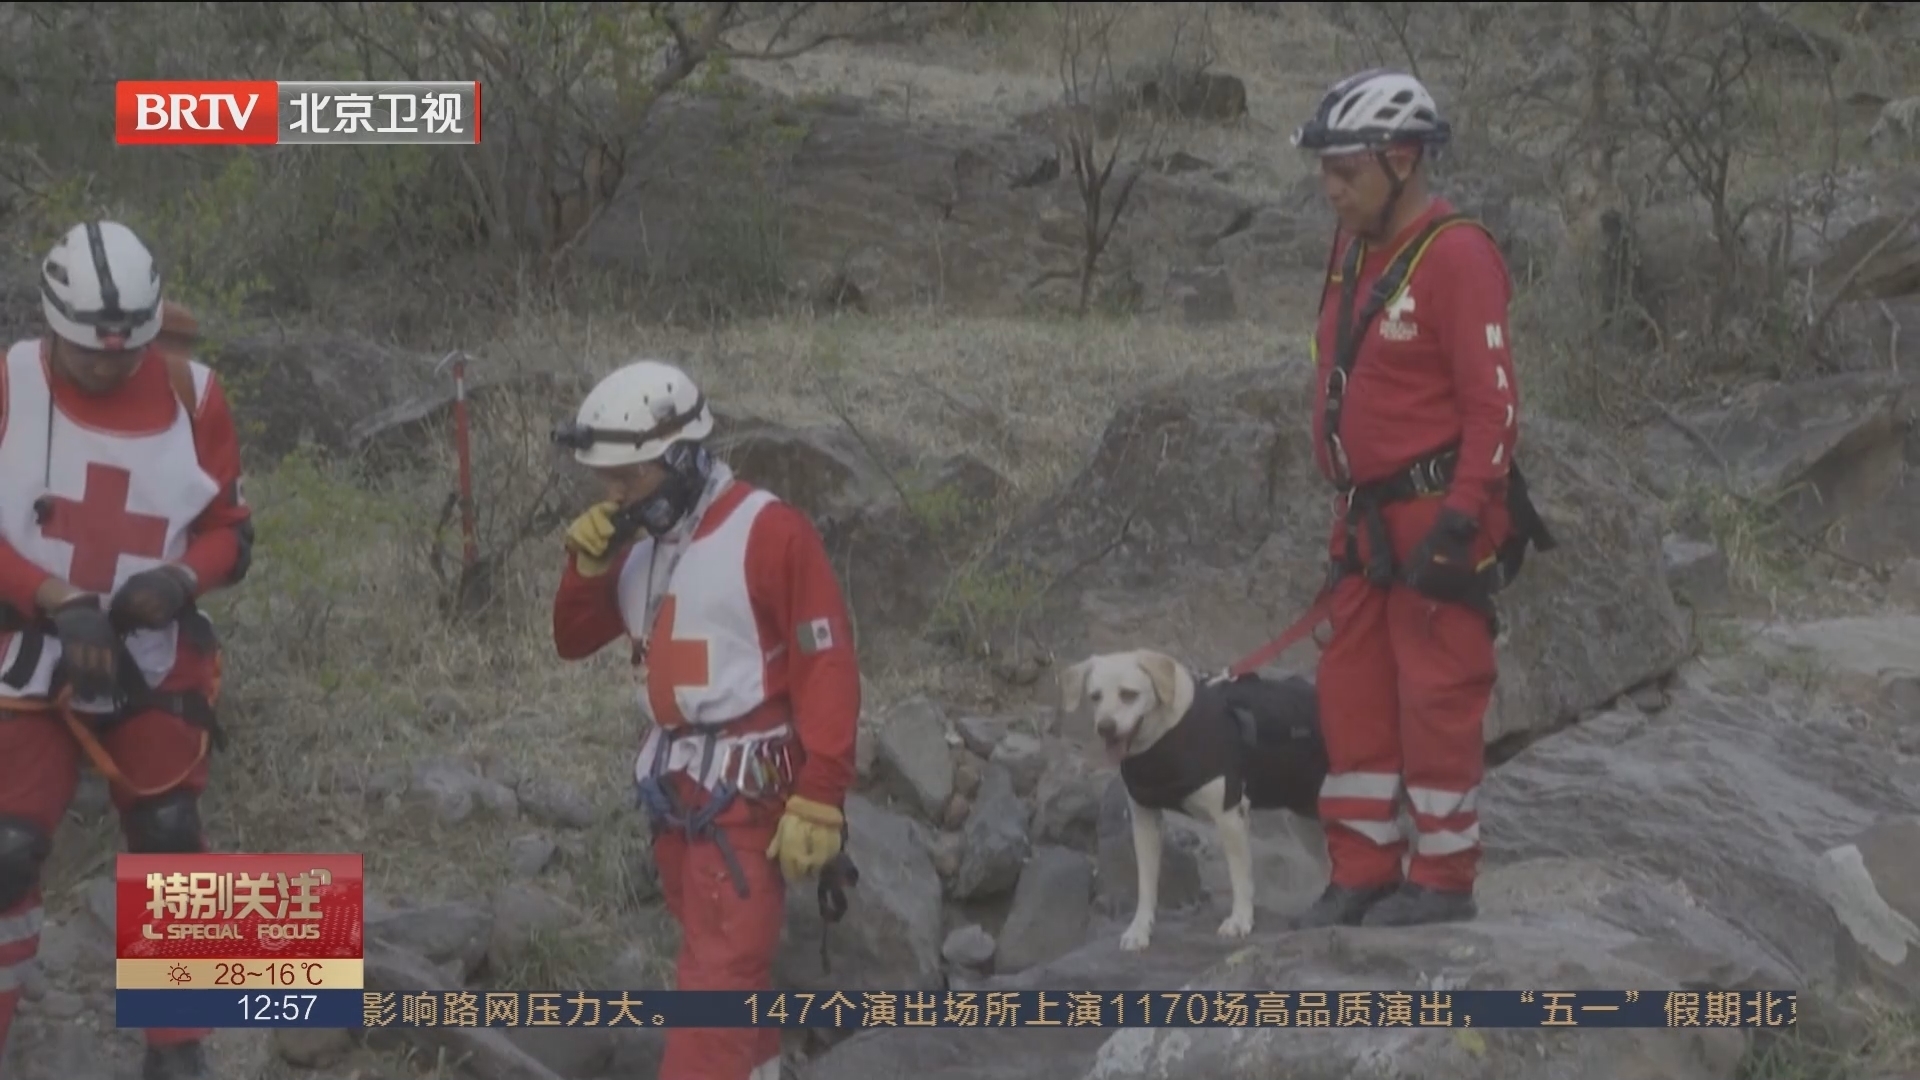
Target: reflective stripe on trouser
x,y
1362,804
1447,822
19,943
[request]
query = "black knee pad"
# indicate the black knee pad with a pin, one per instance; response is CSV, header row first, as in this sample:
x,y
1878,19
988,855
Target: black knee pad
x,y
23,850
164,824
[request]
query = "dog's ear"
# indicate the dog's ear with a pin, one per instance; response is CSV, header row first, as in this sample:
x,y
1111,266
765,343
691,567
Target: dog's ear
x,y
1073,685
1164,673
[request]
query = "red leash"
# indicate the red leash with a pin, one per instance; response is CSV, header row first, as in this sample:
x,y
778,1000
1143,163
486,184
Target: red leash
x,y
1291,636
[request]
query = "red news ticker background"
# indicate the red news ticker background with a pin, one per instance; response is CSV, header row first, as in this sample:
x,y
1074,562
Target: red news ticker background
x,y
342,907
263,123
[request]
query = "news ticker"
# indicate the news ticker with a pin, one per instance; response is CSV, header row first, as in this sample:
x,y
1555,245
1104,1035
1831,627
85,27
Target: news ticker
x,y
270,113
277,940
952,1009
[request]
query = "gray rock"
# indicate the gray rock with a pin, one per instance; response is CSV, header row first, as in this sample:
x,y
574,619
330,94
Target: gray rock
x,y
981,733
891,935
523,916
1862,657
1585,935
452,933
1025,759
576,1052
497,799
969,946
994,842
529,854
1833,455
1873,885
1904,586
1203,295
1052,907
556,803
914,759
312,1048
1067,803
637,1051
1697,573
449,790
1734,798
866,749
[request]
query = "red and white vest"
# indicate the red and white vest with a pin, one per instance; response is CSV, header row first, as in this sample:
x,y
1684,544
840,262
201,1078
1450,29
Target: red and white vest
x,y
120,504
705,662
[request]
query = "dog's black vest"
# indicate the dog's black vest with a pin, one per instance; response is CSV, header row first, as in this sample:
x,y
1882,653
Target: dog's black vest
x,y
1262,736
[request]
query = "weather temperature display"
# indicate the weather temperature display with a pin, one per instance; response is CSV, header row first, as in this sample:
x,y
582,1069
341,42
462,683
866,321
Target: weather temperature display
x,y
256,926
241,974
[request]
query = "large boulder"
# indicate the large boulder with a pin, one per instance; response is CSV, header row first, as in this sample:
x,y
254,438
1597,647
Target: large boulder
x,y
1591,934
1835,456
1200,528
1677,851
1731,798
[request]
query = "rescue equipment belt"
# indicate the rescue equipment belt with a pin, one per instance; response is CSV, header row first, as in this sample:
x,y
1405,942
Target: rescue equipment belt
x,y
134,695
757,766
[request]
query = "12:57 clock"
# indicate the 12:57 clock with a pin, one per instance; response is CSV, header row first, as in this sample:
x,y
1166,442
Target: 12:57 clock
x,y
258,1008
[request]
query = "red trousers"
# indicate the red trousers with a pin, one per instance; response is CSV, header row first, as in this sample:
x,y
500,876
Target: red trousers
x,y
39,770
727,942
1404,684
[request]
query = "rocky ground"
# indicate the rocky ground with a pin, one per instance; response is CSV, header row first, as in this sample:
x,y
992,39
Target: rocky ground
x,y
1707,730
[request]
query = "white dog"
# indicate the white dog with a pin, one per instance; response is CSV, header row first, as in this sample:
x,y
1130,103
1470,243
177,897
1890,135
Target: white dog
x,y
1139,701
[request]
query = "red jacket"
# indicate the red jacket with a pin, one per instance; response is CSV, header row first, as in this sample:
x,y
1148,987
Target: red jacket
x,y
1433,370
144,402
792,587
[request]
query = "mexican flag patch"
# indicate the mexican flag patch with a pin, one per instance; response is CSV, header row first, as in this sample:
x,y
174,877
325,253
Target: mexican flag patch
x,y
814,636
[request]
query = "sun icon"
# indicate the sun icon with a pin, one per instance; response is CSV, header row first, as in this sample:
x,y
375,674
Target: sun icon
x,y
178,974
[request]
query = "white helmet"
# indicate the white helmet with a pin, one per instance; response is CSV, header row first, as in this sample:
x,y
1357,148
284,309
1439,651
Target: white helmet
x,y
100,287
634,414
1368,111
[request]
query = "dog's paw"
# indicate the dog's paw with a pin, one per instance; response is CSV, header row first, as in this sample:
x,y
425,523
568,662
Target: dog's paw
x,y
1237,926
1136,937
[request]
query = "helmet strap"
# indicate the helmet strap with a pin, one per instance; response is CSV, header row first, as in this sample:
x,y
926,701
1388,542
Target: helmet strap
x,y
1397,186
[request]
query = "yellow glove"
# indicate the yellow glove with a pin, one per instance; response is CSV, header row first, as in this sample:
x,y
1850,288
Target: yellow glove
x,y
807,839
589,536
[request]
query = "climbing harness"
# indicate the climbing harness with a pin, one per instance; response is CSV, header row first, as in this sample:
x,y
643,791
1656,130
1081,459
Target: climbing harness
x,y
1427,477
134,696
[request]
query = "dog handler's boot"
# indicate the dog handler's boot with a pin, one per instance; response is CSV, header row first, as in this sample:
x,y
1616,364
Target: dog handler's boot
x,y
1417,905
181,1061
1340,905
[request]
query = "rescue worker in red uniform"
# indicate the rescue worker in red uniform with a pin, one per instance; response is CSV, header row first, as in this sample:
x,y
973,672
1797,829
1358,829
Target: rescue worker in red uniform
x,y
120,505
1415,423
742,644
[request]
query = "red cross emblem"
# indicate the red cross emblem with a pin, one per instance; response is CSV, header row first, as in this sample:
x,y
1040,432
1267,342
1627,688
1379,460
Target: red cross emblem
x,y
673,664
101,529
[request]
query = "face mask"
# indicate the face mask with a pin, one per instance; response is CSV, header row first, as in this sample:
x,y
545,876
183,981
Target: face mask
x,y
688,468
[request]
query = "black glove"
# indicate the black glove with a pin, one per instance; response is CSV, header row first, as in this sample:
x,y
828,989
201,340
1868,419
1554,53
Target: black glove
x,y
1442,568
151,599
89,648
